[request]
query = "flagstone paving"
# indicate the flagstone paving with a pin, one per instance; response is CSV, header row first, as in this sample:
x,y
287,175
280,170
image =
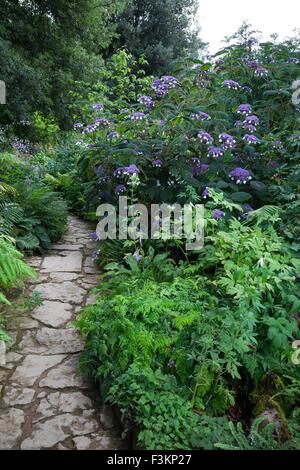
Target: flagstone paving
x,y
44,401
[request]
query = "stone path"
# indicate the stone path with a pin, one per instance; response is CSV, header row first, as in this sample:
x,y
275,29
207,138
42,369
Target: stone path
x,y
44,402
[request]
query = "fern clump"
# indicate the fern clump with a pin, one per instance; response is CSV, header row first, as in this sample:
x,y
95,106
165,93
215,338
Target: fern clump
x,y
13,270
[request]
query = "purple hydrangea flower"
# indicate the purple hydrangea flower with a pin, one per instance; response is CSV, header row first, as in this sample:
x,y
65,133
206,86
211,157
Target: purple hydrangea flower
x,y
227,140
120,188
249,127
205,137
218,214
274,164
253,120
277,144
231,84
164,84
261,72
119,171
240,175
137,116
101,122
98,106
157,163
198,167
78,125
200,116
124,111
246,209
99,170
244,109
89,129
251,41
126,170
215,152
146,100
137,256
294,60
169,80
251,139
205,193
131,170
113,135
238,124
252,63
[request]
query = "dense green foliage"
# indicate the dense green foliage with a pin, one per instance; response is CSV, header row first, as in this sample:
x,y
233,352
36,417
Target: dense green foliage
x,y
160,30
196,348
30,212
51,51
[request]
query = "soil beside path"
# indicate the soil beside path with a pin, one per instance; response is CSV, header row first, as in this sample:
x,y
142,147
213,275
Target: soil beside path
x,y
44,402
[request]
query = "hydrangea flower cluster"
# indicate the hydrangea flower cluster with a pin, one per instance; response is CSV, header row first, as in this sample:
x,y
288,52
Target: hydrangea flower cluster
x,y
251,139
99,170
200,116
113,135
157,163
277,144
274,164
250,63
251,41
137,116
98,106
246,209
101,122
245,109
78,125
120,188
126,170
261,72
164,84
198,167
146,101
231,84
218,214
227,140
205,137
89,129
137,256
252,120
215,152
294,60
240,175
248,127
205,193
